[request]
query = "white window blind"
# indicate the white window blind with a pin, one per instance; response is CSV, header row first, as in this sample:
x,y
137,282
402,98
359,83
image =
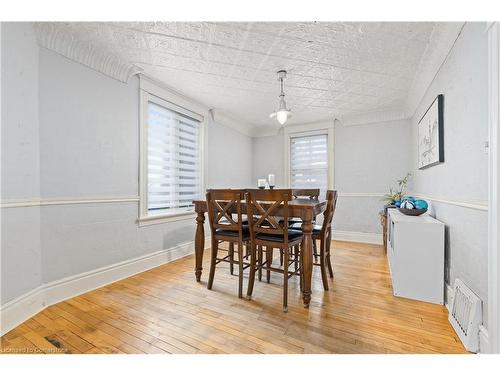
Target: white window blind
x,y
309,162
174,168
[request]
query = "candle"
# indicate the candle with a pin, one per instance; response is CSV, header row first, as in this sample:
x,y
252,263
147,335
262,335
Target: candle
x,y
271,180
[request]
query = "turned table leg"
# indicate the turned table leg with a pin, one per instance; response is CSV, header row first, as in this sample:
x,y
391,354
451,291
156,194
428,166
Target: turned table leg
x,y
199,244
307,260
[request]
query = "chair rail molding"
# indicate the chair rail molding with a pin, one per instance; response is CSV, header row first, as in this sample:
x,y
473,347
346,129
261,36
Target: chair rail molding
x,y
481,206
58,38
32,202
493,30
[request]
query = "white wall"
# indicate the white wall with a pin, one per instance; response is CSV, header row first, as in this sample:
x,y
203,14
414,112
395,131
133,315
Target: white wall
x,y
368,161
463,177
20,164
268,157
229,158
71,132
363,164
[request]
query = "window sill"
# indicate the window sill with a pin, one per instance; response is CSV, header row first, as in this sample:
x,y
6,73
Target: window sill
x,y
166,218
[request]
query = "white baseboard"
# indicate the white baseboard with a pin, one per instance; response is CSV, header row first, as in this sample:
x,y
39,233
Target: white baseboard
x,y
484,343
21,309
449,295
372,238
15,312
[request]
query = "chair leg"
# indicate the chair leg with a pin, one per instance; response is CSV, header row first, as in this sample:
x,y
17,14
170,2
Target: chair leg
x,y
213,257
240,270
296,257
259,262
315,251
269,260
231,257
251,275
281,257
322,261
328,258
301,263
285,281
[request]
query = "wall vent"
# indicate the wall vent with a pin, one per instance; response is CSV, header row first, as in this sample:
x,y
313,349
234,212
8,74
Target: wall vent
x,y
466,315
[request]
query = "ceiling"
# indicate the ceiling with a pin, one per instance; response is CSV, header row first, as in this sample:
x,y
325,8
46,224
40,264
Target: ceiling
x,y
334,68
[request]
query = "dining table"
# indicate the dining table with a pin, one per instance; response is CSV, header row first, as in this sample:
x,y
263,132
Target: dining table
x,y
304,208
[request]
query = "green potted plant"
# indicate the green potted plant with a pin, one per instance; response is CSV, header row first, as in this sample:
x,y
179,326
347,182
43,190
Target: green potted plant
x,y
394,197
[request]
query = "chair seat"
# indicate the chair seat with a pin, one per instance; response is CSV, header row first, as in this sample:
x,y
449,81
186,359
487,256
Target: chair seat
x,y
298,226
233,233
292,236
226,221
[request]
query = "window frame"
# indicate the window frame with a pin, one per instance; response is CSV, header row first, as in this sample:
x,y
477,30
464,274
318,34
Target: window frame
x,y
150,91
322,128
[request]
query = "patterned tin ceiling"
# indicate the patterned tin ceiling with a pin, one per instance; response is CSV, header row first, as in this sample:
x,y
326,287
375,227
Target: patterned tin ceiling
x,y
333,68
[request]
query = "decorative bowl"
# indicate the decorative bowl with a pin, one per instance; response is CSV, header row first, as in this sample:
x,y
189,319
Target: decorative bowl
x,y
413,212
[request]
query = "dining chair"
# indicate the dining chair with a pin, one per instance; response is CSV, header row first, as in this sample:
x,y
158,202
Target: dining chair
x,y
298,194
323,233
224,227
265,208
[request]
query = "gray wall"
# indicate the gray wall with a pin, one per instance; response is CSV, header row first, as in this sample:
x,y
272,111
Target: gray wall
x,y
229,159
71,132
20,164
368,160
363,163
464,174
268,157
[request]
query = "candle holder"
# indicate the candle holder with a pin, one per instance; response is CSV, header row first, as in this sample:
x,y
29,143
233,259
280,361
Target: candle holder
x,y
271,179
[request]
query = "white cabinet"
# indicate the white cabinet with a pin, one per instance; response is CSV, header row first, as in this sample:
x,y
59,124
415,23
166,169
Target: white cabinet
x,y
415,252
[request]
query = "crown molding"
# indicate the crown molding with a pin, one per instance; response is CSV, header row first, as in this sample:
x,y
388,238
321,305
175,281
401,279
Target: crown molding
x,y
442,39
372,117
232,123
56,38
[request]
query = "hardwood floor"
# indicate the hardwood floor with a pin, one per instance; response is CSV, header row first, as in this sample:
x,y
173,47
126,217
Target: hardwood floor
x,y
165,311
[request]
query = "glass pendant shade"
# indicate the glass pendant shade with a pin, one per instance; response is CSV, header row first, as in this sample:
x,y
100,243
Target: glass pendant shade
x,y
283,114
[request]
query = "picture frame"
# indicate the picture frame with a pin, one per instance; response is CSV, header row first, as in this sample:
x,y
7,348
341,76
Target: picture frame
x,y
431,135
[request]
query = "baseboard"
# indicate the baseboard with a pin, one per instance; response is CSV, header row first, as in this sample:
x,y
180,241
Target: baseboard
x,y
449,296
484,343
24,307
372,238
20,309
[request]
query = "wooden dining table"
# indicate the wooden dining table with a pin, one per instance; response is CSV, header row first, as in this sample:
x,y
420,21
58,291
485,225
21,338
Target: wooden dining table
x,y
303,208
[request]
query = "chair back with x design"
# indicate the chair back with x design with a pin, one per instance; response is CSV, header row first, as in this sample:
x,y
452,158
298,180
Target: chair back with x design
x,y
269,211
222,203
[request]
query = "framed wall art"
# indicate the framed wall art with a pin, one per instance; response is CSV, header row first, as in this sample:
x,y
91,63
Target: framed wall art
x,y
431,135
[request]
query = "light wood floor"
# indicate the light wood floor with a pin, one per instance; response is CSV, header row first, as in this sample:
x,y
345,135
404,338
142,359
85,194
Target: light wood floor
x,y
165,311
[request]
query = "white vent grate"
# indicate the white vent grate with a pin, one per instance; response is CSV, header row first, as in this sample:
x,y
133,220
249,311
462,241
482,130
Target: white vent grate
x,y
466,315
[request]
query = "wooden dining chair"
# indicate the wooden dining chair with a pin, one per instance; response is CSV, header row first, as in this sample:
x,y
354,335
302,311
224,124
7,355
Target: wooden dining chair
x,y
226,227
300,194
265,208
323,233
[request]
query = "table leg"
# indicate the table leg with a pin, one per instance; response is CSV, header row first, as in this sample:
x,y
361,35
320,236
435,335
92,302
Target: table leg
x,y
307,260
199,244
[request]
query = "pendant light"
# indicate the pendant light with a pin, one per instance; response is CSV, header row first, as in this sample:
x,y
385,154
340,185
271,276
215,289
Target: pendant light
x,y
283,114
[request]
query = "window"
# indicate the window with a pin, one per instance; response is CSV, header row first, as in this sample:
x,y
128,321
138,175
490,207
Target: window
x,y
172,147
309,162
173,160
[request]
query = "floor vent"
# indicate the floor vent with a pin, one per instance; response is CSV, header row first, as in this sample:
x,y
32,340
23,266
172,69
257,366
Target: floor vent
x,y
466,315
